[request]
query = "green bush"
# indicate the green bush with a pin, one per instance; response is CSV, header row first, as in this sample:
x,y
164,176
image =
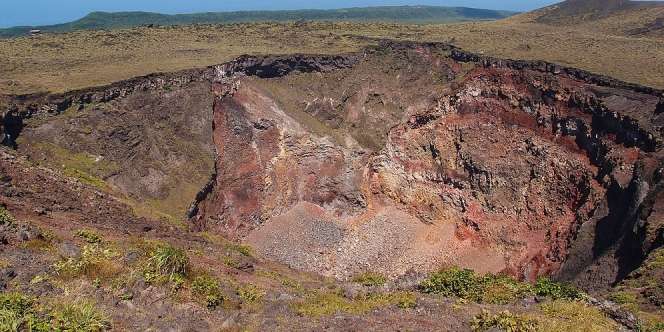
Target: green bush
x,y
546,287
370,279
88,236
207,290
5,217
250,293
505,321
167,263
458,282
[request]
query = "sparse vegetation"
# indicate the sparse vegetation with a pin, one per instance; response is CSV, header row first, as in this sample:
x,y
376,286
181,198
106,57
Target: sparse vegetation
x,y
207,291
81,166
370,279
243,249
328,303
496,289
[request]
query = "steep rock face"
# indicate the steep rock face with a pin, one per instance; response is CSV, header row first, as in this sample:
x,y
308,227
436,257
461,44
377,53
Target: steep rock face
x,y
421,155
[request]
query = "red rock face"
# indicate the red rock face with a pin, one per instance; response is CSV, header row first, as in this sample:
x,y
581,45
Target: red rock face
x,y
409,160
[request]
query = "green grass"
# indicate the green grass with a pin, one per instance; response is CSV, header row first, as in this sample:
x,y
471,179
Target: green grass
x,y
490,288
19,313
566,315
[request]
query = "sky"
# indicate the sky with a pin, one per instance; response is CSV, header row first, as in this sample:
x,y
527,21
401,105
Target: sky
x,y
42,12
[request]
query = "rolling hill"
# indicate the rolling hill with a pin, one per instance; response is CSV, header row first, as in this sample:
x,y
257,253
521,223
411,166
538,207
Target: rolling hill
x,y
404,14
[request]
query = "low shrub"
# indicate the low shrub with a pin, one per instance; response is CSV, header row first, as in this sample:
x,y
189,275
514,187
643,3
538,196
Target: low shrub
x,y
207,291
370,279
490,288
457,282
546,287
88,236
6,218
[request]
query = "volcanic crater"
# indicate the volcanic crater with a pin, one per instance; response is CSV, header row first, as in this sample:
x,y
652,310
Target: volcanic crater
x,y
398,159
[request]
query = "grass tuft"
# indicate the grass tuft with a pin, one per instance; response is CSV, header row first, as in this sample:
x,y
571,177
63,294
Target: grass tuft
x,y
79,317
167,263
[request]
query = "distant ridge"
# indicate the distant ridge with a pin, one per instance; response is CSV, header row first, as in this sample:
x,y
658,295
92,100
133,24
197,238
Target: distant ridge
x,y
399,14
572,11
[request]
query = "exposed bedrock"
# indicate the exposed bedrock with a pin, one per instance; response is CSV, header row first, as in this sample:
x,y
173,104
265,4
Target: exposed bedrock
x,y
413,156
